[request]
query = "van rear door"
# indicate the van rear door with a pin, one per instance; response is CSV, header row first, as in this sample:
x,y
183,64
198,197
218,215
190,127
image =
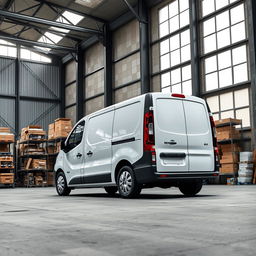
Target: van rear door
x,y
170,135
199,134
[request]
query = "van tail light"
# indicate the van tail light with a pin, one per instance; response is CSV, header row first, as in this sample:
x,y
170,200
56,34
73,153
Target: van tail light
x,y
178,95
149,136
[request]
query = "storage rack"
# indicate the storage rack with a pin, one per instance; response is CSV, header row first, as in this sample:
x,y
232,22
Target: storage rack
x,y
223,176
22,172
10,168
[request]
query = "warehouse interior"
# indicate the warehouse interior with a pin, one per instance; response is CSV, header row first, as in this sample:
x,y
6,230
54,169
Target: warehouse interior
x,y
63,60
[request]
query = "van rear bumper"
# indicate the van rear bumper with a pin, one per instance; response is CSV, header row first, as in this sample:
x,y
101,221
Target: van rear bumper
x,y
148,174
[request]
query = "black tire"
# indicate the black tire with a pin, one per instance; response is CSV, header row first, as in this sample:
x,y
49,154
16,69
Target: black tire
x,y
61,185
127,184
111,190
191,188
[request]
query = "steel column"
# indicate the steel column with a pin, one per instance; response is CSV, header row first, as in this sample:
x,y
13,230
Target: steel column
x,y
144,47
195,58
62,89
17,92
80,84
108,99
251,10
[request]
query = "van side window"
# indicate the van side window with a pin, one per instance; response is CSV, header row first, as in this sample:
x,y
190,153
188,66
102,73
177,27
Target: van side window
x,y
100,128
76,136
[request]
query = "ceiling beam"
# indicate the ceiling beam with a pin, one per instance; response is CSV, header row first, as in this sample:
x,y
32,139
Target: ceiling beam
x,y
7,5
53,31
34,43
22,17
72,10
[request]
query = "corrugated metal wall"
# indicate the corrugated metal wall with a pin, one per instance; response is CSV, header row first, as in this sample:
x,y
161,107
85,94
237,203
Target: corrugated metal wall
x,y
36,80
7,78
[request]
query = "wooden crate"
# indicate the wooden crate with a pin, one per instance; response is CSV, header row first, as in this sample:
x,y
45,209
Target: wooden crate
x,y
6,178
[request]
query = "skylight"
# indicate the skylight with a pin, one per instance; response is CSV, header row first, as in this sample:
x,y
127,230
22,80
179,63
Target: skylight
x,y
89,3
67,18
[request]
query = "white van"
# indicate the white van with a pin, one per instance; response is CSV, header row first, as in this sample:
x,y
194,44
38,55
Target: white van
x,y
152,140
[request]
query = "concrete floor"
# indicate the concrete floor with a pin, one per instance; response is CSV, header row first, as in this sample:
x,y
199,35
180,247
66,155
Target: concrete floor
x,y
220,221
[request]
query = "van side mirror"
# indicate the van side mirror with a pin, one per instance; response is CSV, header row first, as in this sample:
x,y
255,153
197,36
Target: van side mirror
x,y
63,145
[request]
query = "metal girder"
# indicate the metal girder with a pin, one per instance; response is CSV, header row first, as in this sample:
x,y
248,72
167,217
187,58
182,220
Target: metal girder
x,y
72,10
6,7
53,31
23,17
33,43
134,12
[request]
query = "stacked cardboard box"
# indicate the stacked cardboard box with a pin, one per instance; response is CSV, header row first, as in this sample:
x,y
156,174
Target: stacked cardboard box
x,y
32,132
227,135
60,128
245,173
6,135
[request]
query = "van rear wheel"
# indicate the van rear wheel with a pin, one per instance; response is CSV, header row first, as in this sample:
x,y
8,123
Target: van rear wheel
x,y
191,188
61,185
111,190
127,184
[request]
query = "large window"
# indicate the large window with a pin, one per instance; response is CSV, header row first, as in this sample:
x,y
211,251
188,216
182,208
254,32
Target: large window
x,y
29,55
175,51
8,49
234,104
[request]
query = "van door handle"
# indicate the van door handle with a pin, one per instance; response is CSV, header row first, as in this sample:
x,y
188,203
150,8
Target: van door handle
x,y
78,155
172,142
89,153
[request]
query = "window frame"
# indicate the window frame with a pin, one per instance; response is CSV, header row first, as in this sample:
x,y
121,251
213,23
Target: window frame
x,y
70,146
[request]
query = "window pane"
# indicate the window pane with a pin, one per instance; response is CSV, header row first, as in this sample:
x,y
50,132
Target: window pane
x,y
186,73
164,29
213,103
222,20
210,43
163,14
12,52
208,6
183,5
166,90
224,60
176,76
241,98
187,88
226,101
221,3
185,37
225,77
165,61
239,55
176,88
240,73
238,32
185,53
184,19
173,9
165,79
175,57
174,24
175,42
244,114
3,50
209,27
211,81
215,116
227,114
223,38
210,64
164,47
237,14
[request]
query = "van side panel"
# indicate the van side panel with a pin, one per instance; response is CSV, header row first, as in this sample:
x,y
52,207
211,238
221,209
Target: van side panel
x,y
127,142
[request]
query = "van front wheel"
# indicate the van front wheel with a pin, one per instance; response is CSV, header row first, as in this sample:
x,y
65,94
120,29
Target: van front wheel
x,y
61,185
127,184
191,188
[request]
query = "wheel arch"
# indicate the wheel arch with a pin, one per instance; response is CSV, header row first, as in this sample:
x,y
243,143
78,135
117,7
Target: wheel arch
x,y
120,165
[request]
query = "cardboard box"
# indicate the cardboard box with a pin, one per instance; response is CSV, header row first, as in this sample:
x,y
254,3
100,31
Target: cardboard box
x,y
50,178
38,164
230,129
229,148
229,169
5,130
227,121
229,157
63,126
8,137
51,131
6,178
226,135
32,132
4,148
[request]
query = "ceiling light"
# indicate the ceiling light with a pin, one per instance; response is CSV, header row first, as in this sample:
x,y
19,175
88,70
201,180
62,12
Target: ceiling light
x,y
89,3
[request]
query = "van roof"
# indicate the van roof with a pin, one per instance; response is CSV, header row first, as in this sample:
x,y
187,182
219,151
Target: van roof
x,y
154,94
